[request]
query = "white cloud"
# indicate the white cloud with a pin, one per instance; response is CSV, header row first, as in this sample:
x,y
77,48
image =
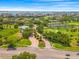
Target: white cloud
x,y
56,6
40,9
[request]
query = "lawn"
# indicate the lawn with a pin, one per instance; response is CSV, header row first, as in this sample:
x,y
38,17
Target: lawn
x,y
24,43
59,46
8,32
50,30
11,36
21,43
73,23
69,33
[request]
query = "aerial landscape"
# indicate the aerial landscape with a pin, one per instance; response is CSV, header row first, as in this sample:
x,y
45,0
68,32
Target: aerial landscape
x,y
43,29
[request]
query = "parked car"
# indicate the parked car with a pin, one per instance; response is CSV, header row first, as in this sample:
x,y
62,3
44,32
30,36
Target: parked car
x,y
67,54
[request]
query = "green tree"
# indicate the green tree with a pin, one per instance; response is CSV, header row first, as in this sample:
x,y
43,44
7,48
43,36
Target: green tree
x,y
40,29
27,33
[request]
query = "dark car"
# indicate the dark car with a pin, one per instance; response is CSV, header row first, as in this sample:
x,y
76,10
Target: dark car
x,y
67,54
11,49
77,53
66,58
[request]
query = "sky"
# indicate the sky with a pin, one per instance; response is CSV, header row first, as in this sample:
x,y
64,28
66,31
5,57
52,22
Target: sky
x,y
39,5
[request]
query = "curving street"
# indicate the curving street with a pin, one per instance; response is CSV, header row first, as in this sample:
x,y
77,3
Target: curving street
x,y
34,41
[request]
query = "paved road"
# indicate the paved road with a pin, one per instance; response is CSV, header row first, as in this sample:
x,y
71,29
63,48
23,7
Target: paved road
x,y
34,41
47,44
41,53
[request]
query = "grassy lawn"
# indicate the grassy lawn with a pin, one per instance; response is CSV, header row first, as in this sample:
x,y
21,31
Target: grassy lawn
x,y
50,30
59,46
8,32
73,23
24,43
69,33
21,43
9,36
55,30
4,46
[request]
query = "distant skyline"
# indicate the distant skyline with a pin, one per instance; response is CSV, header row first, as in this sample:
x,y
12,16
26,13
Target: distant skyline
x,y
39,5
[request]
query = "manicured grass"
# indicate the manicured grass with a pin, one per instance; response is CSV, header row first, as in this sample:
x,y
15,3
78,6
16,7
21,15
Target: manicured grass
x,y
66,31
50,30
10,36
56,45
41,44
55,30
21,43
8,32
24,43
61,47
73,23
4,46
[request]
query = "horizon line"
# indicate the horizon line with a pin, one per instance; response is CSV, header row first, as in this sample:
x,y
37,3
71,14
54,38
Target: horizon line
x,y
42,10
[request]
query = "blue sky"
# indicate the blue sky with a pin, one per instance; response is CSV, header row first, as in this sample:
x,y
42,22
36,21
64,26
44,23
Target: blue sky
x,y
39,5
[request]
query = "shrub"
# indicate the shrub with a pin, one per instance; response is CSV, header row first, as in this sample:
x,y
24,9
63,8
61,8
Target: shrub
x,y
24,55
27,33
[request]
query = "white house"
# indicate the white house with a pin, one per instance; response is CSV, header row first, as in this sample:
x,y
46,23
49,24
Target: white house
x,y
23,27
